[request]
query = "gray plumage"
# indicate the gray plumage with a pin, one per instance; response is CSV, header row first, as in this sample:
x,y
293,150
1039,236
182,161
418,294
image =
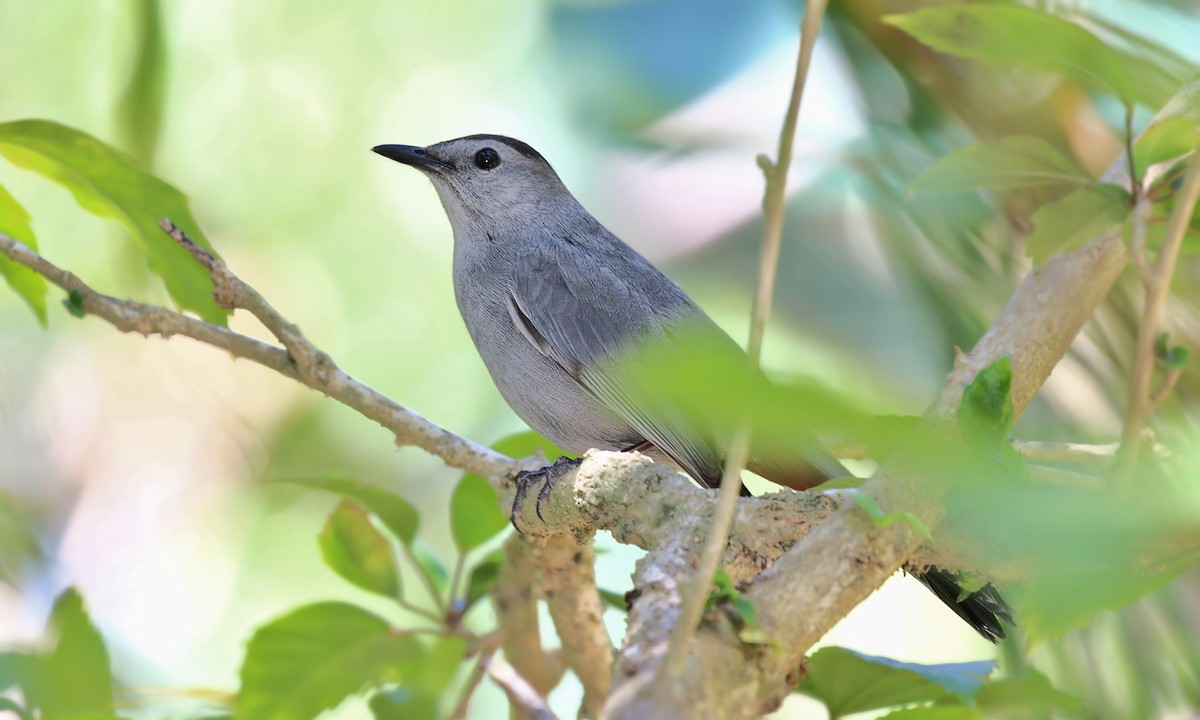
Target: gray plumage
x,y
555,304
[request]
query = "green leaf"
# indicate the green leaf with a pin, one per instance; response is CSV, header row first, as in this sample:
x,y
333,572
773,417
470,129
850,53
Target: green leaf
x,y
475,515
849,682
1027,695
882,520
1166,139
428,563
1170,356
404,704
614,600
986,411
526,443
74,678
934,712
478,523
724,595
310,660
110,184
1016,161
1015,36
441,662
483,577
16,669
14,708
1071,222
1053,605
31,287
397,514
358,552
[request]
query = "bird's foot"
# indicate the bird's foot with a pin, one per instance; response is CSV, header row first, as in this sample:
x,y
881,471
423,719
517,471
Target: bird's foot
x,y
548,476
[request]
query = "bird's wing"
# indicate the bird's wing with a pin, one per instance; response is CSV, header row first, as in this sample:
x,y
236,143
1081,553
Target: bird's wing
x,y
585,315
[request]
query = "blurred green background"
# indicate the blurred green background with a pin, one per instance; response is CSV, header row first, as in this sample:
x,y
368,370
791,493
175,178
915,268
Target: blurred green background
x,y
135,468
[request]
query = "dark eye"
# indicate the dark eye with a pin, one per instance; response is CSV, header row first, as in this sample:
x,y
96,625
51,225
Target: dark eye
x,y
486,159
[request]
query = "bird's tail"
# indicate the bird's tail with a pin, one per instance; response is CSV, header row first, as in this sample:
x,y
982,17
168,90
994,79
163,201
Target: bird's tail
x,y
985,609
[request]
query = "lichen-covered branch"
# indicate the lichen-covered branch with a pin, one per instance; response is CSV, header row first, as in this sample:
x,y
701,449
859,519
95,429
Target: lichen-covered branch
x,y
841,561
567,580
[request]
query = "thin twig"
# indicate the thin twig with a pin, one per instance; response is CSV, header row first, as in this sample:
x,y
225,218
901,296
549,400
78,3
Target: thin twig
x,y
695,593
408,427
420,611
1157,285
1137,242
1163,390
457,575
472,684
520,692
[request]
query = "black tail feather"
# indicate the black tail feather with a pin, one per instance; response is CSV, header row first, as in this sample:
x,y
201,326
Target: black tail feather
x,y
985,610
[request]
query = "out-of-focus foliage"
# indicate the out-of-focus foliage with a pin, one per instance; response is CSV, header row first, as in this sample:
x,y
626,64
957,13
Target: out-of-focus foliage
x,y
14,222
69,675
893,258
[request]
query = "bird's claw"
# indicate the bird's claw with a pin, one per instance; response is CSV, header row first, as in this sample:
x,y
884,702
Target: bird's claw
x,y
548,475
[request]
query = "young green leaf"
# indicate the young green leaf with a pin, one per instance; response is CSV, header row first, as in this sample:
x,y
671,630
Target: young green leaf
x,y
724,595
74,304
31,287
310,660
483,577
1016,36
986,411
358,552
1166,139
475,515
428,563
110,184
1026,695
442,660
404,704
397,514
1171,356
1013,162
74,677
614,600
1071,222
882,520
849,682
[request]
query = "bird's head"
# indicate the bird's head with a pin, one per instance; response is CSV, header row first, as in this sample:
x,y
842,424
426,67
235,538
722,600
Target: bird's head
x,y
485,180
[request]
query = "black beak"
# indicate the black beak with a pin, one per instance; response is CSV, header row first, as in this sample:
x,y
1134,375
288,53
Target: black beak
x,y
412,155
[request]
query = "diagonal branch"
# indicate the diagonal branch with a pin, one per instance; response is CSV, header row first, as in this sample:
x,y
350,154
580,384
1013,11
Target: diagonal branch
x,y
300,361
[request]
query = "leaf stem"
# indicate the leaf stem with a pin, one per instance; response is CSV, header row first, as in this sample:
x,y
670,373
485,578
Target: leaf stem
x,y
426,581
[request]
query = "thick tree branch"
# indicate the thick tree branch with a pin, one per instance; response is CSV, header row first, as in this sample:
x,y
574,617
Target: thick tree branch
x,y
515,599
567,580
834,567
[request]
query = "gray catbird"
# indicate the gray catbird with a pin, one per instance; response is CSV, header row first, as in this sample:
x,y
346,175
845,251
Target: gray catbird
x,y
555,302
